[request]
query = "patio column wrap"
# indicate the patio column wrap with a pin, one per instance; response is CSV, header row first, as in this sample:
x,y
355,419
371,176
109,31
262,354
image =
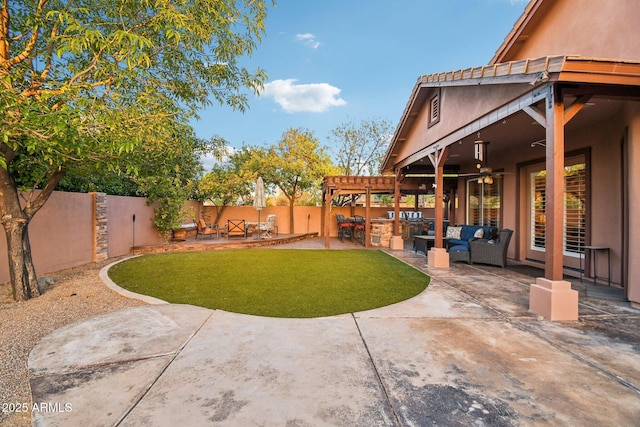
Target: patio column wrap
x,y
554,187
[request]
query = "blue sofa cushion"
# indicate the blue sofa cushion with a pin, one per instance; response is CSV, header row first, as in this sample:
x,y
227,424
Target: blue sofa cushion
x,y
459,248
457,242
468,234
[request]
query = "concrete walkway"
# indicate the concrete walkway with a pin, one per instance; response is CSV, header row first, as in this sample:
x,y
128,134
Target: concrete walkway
x,y
464,352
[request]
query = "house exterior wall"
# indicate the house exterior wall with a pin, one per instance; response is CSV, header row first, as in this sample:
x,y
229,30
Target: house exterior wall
x,y
454,100
597,29
601,141
633,255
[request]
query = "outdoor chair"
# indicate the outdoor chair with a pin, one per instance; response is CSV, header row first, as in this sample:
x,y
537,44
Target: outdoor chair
x,y
345,227
202,229
236,228
267,228
493,252
359,228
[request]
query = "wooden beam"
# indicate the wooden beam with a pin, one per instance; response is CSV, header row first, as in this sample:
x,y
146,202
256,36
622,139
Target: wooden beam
x,y
536,115
554,187
575,107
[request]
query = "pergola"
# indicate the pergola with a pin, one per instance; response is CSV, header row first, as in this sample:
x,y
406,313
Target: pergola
x,y
332,186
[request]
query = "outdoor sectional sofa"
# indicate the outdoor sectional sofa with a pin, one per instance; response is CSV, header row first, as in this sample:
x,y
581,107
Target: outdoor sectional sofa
x,y
463,235
491,251
477,244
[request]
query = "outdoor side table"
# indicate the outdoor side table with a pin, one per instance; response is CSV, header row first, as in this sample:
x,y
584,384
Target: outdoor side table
x,y
592,253
423,243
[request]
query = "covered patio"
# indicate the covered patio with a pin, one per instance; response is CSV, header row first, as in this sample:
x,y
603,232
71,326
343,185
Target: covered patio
x,y
532,149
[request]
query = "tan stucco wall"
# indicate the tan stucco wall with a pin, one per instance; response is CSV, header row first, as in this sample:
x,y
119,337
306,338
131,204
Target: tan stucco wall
x,y
58,241
633,114
598,29
453,100
120,211
603,139
307,218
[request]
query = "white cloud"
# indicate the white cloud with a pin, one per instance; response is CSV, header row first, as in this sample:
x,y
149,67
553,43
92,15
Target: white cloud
x,y
297,98
309,40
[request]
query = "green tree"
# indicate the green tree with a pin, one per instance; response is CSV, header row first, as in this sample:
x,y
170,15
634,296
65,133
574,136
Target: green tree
x,y
229,181
295,165
359,149
169,173
92,81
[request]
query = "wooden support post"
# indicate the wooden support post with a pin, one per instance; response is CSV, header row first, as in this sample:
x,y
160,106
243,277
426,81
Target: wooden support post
x,y
552,297
554,187
396,242
367,219
438,257
326,205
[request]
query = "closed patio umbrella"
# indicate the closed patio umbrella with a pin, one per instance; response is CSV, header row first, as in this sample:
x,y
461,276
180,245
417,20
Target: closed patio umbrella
x,y
259,201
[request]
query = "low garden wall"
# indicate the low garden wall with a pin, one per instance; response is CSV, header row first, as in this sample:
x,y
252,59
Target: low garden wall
x,y
73,229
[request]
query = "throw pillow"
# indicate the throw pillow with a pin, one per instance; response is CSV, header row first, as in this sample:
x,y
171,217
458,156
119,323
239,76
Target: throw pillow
x,y
479,234
454,232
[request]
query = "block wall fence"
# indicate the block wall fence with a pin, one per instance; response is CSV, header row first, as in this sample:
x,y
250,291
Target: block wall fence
x,y
73,229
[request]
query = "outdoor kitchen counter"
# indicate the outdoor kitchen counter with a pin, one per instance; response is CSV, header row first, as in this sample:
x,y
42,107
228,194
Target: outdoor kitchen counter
x,y
381,232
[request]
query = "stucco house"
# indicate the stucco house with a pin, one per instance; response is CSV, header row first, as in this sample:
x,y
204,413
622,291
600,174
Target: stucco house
x,y
543,140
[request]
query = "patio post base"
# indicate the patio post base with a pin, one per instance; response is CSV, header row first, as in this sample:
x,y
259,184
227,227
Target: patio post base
x,y
396,243
553,299
438,258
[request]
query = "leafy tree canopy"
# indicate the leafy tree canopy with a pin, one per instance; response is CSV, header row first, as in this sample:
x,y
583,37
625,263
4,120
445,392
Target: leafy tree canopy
x,y
296,164
359,148
96,82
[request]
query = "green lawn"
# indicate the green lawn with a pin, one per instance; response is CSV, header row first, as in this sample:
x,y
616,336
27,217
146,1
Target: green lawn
x,y
274,282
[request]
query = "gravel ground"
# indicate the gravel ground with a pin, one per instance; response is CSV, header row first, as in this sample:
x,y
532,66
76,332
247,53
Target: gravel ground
x,y
77,294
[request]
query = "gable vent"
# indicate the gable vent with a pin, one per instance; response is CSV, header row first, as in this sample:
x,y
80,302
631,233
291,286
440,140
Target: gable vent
x,y
434,109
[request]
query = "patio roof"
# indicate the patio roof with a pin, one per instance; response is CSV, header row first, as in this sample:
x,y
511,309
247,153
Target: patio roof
x,y
611,77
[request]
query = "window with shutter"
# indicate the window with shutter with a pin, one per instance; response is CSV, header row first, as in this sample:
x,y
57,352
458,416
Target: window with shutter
x,y
574,209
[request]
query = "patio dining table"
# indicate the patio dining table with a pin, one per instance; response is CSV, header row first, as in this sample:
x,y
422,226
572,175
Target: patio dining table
x,y
254,226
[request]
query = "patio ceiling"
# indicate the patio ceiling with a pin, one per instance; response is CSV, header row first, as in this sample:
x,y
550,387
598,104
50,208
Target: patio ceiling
x,y
603,85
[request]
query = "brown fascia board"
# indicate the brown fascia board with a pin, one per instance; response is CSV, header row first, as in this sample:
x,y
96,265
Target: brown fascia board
x,y
507,73
409,111
570,68
521,29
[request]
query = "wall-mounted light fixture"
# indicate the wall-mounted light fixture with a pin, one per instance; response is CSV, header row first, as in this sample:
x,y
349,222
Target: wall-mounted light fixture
x,y
541,77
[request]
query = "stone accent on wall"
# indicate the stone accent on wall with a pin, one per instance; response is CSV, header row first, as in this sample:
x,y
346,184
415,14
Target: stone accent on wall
x,y
101,242
381,232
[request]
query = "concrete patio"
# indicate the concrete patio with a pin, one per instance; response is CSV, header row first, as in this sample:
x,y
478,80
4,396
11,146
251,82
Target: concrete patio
x,y
466,351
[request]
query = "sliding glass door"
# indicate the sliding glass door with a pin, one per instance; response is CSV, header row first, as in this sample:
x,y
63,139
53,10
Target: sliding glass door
x,y
484,202
575,211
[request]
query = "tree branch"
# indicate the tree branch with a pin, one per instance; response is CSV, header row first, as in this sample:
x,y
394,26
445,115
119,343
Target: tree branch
x,y
34,205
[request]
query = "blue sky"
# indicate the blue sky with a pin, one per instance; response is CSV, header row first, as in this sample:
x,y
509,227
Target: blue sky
x,y
333,61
